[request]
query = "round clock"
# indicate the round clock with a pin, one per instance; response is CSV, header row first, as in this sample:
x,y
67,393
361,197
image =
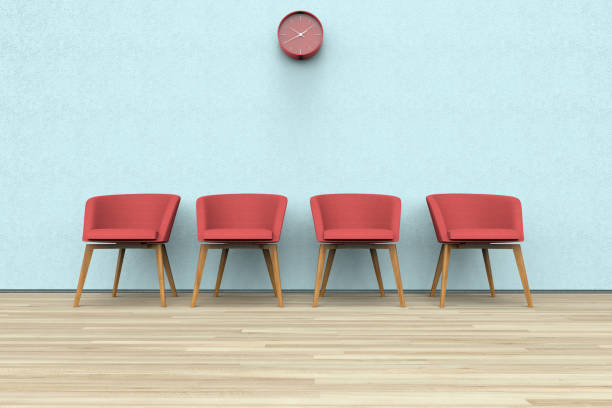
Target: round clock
x,y
300,34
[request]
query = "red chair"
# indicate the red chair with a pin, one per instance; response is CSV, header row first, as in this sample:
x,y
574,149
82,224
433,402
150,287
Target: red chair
x,y
366,221
129,221
240,221
480,221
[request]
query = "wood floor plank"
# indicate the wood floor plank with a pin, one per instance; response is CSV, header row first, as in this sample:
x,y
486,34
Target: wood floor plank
x,y
359,349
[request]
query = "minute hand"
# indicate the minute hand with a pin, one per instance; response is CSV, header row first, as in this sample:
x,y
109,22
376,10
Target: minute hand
x,y
292,38
306,30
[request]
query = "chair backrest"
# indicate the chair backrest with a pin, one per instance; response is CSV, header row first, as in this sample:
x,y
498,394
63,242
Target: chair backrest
x,y
146,211
242,211
330,211
455,211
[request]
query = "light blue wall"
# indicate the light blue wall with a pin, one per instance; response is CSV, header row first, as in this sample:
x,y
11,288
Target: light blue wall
x,y
405,97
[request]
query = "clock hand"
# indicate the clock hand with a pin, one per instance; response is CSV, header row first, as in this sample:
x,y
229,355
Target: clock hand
x,y
306,30
294,30
292,38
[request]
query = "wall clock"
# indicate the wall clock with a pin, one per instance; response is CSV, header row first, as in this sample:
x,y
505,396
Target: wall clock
x,y
300,34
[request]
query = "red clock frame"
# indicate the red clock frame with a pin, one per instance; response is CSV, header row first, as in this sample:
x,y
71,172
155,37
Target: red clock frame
x,y
307,40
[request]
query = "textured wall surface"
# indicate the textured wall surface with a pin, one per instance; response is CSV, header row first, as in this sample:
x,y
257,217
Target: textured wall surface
x,y
405,97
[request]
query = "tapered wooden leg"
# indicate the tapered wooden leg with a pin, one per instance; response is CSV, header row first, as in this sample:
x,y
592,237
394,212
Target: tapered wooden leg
x,y
320,263
520,263
374,256
118,270
266,253
160,274
445,262
199,270
84,269
396,272
328,266
487,262
434,285
222,262
168,270
277,280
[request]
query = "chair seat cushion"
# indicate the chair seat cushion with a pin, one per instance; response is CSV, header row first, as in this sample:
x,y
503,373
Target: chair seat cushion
x,y
483,234
358,234
121,234
236,234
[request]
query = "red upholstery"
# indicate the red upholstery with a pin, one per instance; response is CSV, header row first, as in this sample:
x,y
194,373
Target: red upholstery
x,y
106,234
219,234
130,217
240,217
476,217
360,234
356,217
483,234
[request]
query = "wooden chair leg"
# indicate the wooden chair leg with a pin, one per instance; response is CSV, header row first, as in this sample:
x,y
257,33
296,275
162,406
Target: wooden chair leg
x,y
160,274
199,270
222,262
445,262
168,270
84,269
396,272
277,280
520,263
487,262
266,253
374,256
118,270
328,266
320,263
434,285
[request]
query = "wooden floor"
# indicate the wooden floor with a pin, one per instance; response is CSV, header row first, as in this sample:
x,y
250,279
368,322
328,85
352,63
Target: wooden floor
x,y
242,350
